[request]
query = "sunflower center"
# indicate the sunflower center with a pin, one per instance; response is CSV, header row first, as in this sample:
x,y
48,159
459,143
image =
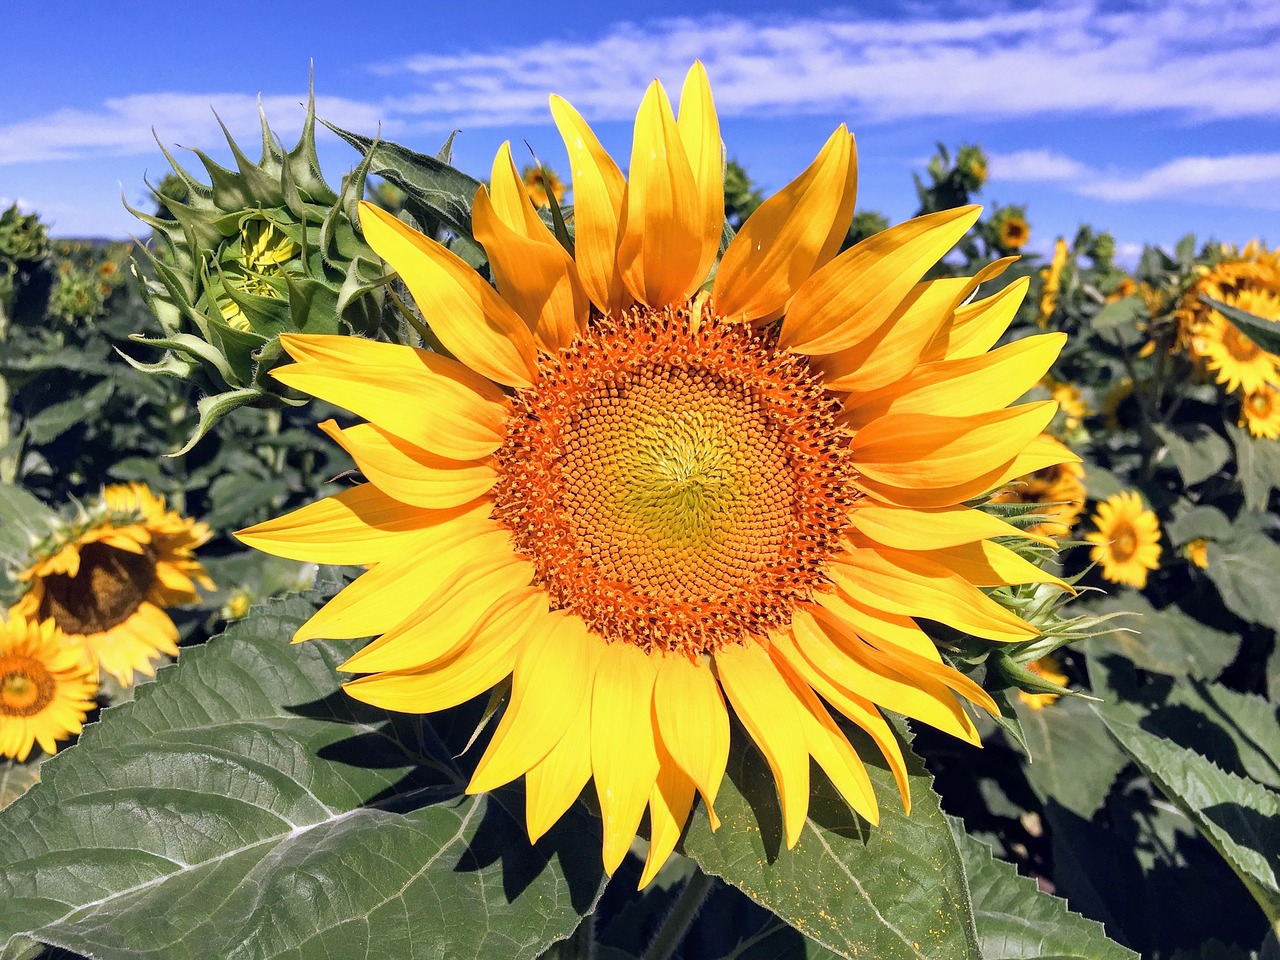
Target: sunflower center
x,y
26,686
1241,348
109,587
1124,542
1259,403
677,485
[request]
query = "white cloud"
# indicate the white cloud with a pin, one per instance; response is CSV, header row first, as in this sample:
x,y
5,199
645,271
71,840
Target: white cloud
x,y
1034,166
123,126
1069,57
1240,174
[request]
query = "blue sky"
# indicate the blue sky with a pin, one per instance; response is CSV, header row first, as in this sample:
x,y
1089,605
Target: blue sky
x,y
1151,119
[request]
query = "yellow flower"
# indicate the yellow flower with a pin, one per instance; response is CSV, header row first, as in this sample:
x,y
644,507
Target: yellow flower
x,y
1057,489
1238,361
1014,232
264,250
47,687
1070,402
1197,551
1049,668
1127,539
650,504
1127,287
106,578
1249,279
1260,412
541,183
1052,277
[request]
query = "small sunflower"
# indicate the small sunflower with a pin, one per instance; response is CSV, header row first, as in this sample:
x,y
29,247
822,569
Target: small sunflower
x,y
47,687
106,578
1013,232
650,503
1197,551
542,183
1071,403
1127,539
1052,281
1260,412
1057,489
1049,668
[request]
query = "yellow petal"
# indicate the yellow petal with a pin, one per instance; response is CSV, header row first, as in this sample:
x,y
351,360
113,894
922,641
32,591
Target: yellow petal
x,y
469,672
979,324
859,710
407,472
903,632
830,747
700,133
466,313
767,708
850,298
392,589
510,199
598,188
960,387
391,387
986,564
1043,451
789,236
360,525
453,615
624,757
536,278
660,233
923,460
839,657
929,528
897,581
670,801
553,783
554,667
693,723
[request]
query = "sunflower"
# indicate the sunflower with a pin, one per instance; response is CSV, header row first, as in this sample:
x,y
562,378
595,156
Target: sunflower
x,y
1127,539
1051,277
1013,232
1051,669
47,687
1238,361
106,578
1058,491
1071,403
264,250
648,502
1197,551
541,184
1127,287
1260,412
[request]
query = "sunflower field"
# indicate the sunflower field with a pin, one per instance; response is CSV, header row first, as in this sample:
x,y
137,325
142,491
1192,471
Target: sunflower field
x,y
633,565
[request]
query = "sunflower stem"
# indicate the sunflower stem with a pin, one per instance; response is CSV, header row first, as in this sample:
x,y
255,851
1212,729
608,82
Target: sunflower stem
x,y
676,925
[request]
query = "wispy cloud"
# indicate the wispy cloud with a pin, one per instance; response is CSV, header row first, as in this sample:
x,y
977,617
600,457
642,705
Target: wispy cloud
x,y
1070,57
123,125
1252,179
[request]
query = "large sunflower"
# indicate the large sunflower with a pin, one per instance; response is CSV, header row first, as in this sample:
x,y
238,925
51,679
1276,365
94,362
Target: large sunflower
x,y
47,687
640,496
1238,361
106,579
1127,539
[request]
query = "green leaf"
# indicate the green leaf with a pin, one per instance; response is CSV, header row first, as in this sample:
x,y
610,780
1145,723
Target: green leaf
x,y
243,805
1073,760
214,408
16,779
1239,817
896,890
56,419
1244,571
1265,333
1257,466
1119,313
1016,920
1197,451
1208,523
1168,641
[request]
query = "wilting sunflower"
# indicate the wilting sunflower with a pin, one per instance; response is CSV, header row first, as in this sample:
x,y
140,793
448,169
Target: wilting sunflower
x,y
1260,412
1058,491
641,498
1127,539
106,578
47,687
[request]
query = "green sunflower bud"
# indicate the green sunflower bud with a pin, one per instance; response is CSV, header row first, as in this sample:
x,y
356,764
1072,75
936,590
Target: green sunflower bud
x,y
23,238
265,249
76,296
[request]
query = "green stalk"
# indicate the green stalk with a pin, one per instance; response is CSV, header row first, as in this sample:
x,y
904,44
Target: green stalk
x,y
9,462
676,925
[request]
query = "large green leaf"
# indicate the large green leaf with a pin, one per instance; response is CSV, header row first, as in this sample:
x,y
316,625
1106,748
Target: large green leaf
x,y
1239,817
1196,450
1257,466
1016,920
892,891
1262,331
1168,641
243,806
1244,571
1073,761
